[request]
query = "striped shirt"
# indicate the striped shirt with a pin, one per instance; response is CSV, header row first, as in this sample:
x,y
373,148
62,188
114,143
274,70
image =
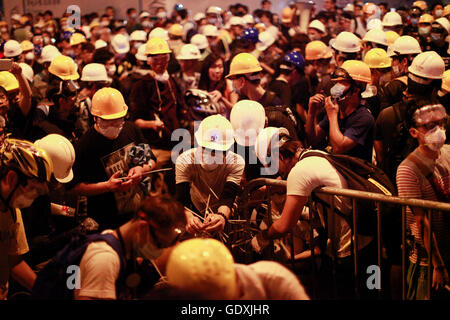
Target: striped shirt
x,y
412,183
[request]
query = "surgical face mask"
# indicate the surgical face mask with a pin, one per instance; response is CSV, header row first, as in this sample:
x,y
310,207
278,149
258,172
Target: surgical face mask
x,y
146,24
162,77
438,13
424,31
435,138
108,130
4,30
111,70
149,251
371,91
396,70
436,37
235,88
212,21
104,23
29,56
137,45
314,36
209,162
25,199
337,91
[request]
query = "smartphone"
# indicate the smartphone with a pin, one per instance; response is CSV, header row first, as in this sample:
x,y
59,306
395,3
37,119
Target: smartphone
x,y
5,64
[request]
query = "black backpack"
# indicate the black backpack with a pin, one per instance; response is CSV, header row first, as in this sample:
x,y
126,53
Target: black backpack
x,y
360,175
52,281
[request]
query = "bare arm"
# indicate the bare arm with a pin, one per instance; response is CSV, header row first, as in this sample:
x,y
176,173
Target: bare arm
x,y
291,213
24,87
22,272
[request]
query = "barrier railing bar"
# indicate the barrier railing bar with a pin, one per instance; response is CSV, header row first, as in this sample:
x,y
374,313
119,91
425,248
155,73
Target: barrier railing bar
x,y
403,253
379,244
355,245
430,256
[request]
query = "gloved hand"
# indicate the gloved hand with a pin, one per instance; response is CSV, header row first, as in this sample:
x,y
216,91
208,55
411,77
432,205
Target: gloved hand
x,y
259,243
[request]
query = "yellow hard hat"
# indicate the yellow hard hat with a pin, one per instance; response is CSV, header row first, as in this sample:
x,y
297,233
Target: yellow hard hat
x,y
64,67
108,104
176,30
422,5
77,38
426,18
8,81
204,267
357,70
446,11
446,81
26,45
286,15
377,58
157,46
261,27
244,63
391,36
316,50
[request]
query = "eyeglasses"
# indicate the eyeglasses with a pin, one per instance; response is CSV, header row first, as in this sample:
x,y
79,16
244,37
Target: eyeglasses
x,y
431,125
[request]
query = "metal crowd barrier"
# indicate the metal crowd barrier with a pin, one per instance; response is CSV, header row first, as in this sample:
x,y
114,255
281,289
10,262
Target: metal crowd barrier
x,y
430,206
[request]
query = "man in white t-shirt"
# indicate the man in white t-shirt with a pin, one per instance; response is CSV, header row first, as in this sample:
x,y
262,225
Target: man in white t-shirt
x,y
303,177
209,176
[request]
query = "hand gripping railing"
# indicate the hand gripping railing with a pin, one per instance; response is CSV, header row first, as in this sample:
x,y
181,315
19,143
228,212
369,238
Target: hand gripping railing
x,y
430,206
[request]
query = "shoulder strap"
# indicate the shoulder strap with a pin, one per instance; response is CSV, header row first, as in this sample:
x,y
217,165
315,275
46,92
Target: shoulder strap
x,y
403,79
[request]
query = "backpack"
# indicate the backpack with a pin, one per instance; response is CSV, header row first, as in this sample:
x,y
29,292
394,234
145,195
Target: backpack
x,y
52,281
360,175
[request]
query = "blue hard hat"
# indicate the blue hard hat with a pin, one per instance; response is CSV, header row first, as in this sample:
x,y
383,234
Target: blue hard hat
x,y
179,7
250,34
296,59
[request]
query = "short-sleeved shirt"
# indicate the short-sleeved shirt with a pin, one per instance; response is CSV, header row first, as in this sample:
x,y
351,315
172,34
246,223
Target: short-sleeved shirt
x,y
13,242
412,183
202,181
357,126
314,172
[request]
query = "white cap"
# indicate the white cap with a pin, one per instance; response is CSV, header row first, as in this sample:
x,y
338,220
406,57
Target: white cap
x,y
140,55
94,72
27,71
266,39
189,52
12,48
120,43
199,16
316,24
48,53
100,44
237,21
200,41
138,35
159,33
210,31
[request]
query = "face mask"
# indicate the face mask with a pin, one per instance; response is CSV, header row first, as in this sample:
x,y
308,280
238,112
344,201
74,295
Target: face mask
x,y
4,30
414,21
438,13
396,70
110,132
371,91
209,162
162,77
337,91
104,23
314,37
24,200
137,45
111,70
46,40
236,89
435,138
423,31
146,24
436,37
50,30
384,79
29,56
212,21
149,251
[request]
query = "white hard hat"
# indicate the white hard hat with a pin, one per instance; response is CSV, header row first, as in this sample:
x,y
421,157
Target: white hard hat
x,y
48,53
237,21
210,31
161,15
247,118
140,55
215,133
94,72
444,23
391,19
268,139
349,7
159,33
214,10
376,36
12,48
144,14
248,19
62,153
100,44
120,43
200,41
189,52
27,71
16,17
404,45
316,24
266,39
374,24
138,35
199,16
347,42
428,65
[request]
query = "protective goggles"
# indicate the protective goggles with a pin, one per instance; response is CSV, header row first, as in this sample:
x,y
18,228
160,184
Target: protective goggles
x,y
340,74
424,116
